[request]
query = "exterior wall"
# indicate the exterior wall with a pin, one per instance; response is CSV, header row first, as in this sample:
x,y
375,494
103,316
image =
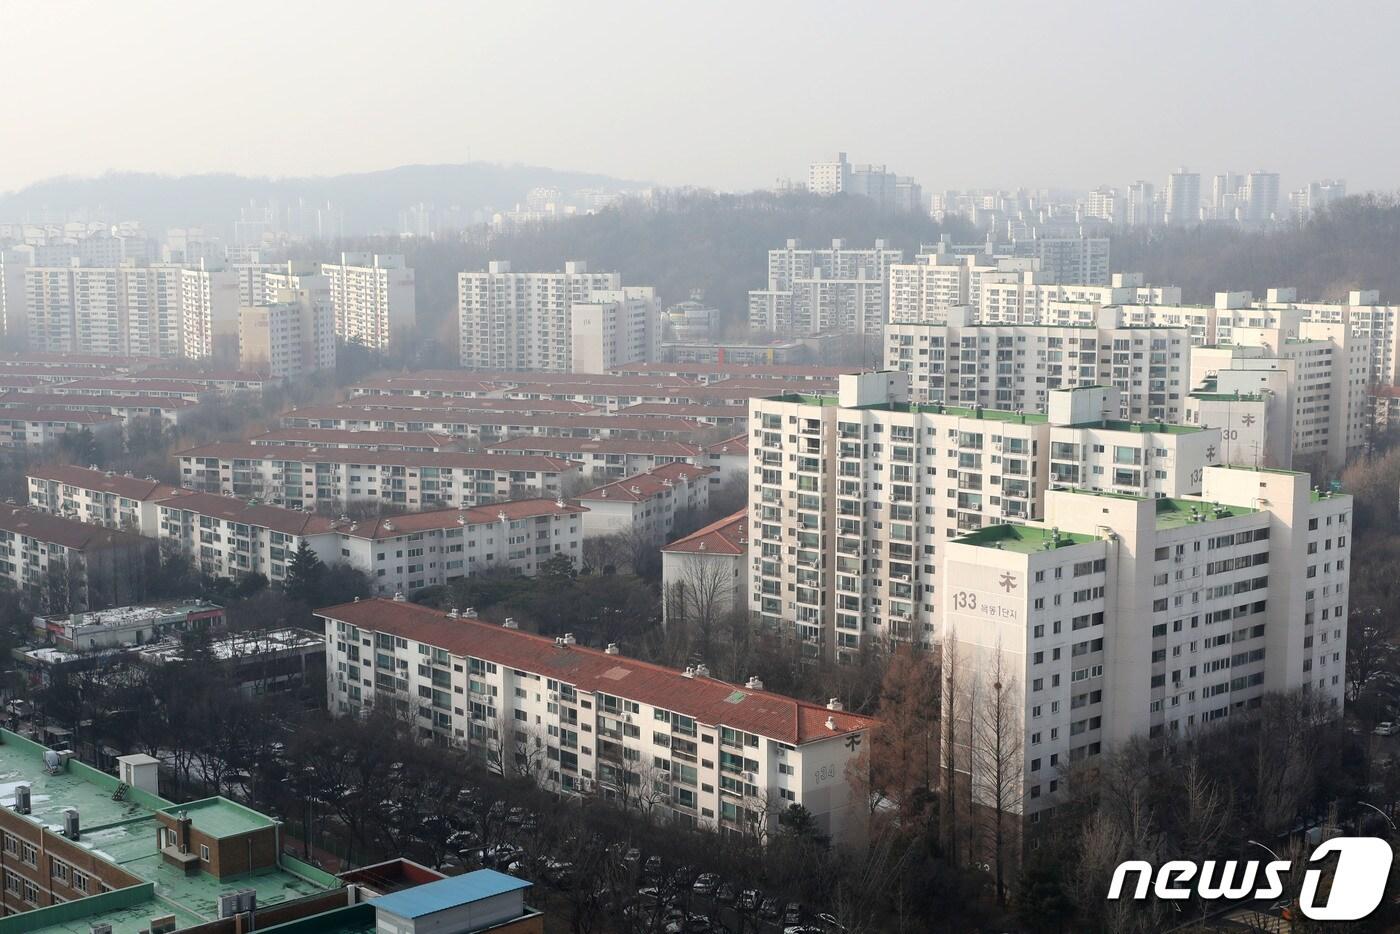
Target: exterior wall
x,y
594,742
22,837
1015,367
521,321
1131,625
724,580
297,483
878,489
444,555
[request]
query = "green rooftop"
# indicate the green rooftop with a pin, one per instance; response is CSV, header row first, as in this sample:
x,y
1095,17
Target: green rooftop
x,y
929,408
220,817
1023,538
1145,428
124,833
1173,513
1227,396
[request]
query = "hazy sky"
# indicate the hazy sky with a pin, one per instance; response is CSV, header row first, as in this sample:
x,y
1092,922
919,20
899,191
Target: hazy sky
x,y
730,95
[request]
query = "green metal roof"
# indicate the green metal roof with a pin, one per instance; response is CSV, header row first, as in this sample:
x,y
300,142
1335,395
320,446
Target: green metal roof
x,y
1023,538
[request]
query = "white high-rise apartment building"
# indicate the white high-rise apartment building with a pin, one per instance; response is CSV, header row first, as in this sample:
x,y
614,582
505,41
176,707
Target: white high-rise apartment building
x,y
1071,260
822,291
829,178
373,298
1142,205
614,327
526,320
1106,204
1120,617
140,311
1305,201
1017,366
1259,199
1183,198
855,496
291,336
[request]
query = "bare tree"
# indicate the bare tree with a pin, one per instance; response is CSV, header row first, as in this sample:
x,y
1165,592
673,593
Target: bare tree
x,y
997,751
952,710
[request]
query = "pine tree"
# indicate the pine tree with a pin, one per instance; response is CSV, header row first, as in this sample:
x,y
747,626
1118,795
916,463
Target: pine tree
x,y
305,573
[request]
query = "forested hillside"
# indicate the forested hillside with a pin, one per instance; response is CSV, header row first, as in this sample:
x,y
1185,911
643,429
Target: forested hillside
x,y
1353,244
714,243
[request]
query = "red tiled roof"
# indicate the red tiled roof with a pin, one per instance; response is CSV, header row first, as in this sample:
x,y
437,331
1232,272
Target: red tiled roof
x,y
685,410
310,437
757,370
133,385
709,701
646,485
504,419
219,376
34,413
390,526
69,533
455,404
598,445
59,400
264,515
727,536
229,450
739,444
105,481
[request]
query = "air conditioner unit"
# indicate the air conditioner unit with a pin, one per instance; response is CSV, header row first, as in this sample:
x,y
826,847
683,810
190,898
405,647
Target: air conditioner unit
x,y
750,777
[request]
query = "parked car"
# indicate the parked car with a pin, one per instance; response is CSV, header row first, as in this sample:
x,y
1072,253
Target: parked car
x,y
652,867
725,894
770,909
1387,728
750,899
705,883
792,914
802,929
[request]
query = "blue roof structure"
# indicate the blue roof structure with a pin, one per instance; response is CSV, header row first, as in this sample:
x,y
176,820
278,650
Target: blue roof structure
x,y
448,893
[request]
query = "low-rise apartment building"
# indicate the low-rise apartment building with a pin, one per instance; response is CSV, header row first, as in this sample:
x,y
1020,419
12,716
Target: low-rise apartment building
x,y
705,575
71,566
1120,617
98,497
647,505
23,426
582,720
229,537
604,459
405,553
327,478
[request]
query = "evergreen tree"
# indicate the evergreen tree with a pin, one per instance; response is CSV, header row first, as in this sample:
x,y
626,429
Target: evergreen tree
x,y
305,573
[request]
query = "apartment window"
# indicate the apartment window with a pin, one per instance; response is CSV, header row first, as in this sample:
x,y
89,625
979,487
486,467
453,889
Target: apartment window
x,y
28,855
58,869
80,881
204,852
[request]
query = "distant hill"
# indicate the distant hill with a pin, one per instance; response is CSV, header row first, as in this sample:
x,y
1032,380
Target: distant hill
x,y
370,201
1351,244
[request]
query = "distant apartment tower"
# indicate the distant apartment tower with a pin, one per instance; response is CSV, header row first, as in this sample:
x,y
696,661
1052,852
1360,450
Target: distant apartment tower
x,y
572,321
1018,366
1259,197
1119,617
1106,204
1183,198
1141,209
373,298
856,495
829,178
139,311
288,338
824,291
890,191
1316,195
